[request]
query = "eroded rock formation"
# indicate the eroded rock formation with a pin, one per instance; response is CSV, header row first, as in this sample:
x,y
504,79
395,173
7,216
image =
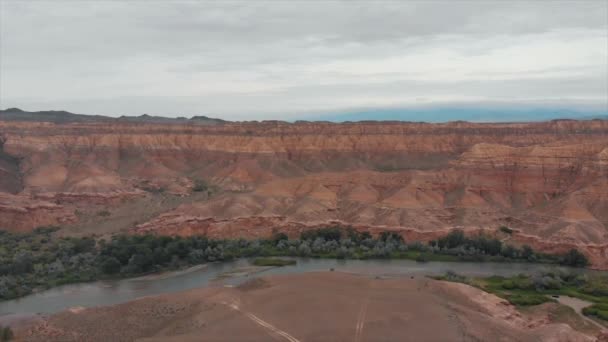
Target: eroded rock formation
x,y
547,180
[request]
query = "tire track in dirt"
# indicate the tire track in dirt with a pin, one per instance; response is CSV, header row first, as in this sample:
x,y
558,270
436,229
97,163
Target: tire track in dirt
x,y
361,320
269,327
362,314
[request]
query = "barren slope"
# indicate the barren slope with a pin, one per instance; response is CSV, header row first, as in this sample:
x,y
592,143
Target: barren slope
x,y
548,180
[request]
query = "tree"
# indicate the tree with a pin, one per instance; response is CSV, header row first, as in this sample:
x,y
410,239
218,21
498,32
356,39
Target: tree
x,y
574,258
454,239
527,253
278,237
508,251
386,236
304,250
110,265
22,262
196,256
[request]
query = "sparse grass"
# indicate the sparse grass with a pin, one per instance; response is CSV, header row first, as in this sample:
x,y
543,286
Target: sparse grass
x,y
598,310
273,262
103,213
522,290
6,334
527,299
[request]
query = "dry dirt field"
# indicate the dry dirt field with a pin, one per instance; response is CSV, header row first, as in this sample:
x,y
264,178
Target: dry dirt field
x,y
324,306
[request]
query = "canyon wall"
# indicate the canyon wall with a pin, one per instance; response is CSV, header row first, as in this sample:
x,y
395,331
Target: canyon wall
x,y
547,180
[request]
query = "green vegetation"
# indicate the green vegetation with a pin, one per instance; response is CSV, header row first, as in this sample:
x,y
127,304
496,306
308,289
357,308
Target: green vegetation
x,y
598,310
482,247
200,186
6,334
506,230
523,290
103,213
273,262
40,259
575,258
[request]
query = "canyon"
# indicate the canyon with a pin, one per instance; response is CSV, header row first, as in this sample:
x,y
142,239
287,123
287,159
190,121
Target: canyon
x,y
546,181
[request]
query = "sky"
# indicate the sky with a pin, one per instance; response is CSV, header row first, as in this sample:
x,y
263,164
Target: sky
x,y
335,60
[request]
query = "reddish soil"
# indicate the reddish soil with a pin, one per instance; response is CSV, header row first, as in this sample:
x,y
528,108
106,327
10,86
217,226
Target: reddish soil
x,y
327,306
547,180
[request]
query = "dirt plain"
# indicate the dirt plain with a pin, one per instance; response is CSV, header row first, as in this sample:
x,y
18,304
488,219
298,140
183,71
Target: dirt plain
x,y
323,306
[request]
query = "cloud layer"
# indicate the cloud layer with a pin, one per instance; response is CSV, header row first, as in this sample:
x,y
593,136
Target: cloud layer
x,y
263,60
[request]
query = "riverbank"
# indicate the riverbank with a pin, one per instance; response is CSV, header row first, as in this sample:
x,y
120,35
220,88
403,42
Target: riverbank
x,y
311,306
169,274
587,294
218,274
41,260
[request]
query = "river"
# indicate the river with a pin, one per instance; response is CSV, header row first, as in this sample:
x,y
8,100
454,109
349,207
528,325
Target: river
x,y
214,274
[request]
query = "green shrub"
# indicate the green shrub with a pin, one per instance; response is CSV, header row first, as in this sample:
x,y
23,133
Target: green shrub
x,y
574,258
330,233
527,299
506,230
598,310
273,262
422,257
454,277
103,213
278,237
603,315
508,284
200,186
6,334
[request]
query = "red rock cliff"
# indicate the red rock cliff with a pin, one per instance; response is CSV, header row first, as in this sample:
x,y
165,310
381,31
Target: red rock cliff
x,y
549,180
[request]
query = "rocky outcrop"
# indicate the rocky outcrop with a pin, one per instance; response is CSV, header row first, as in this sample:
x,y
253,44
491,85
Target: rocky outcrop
x,y
547,180
10,180
21,213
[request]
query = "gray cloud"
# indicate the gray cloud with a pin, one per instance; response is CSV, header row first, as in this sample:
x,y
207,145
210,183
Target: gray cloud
x,y
274,59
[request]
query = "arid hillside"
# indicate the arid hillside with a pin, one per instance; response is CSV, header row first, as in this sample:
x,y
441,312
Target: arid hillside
x,y
548,181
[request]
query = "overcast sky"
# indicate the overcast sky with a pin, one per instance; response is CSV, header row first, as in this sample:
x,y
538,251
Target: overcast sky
x,y
268,60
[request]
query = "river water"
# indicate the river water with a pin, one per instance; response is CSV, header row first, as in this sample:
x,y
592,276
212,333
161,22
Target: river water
x,y
214,274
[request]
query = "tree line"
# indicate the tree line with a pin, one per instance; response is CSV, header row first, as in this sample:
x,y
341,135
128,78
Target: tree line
x,y
40,259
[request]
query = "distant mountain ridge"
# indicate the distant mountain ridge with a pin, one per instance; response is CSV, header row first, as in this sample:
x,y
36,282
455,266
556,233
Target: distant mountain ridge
x,y
468,114
429,115
64,117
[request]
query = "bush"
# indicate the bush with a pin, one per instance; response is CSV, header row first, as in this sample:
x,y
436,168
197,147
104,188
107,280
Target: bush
x,y
388,236
574,258
273,262
200,186
103,213
527,299
46,230
454,239
422,257
278,237
454,277
596,287
508,284
110,265
598,310
327,234
6,334
506,230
